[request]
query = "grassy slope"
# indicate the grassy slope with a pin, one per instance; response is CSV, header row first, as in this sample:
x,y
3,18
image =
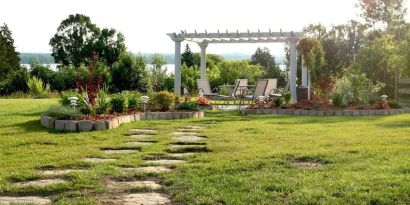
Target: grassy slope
x,y
367,159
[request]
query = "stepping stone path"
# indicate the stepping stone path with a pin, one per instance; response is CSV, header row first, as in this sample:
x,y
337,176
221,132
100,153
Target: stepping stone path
x,y
6,200
149,169
146,199
141,136
40,182
189,138
181,154
140,143
98,160
59,171
185,133
121,186
152,131
165,161
120,151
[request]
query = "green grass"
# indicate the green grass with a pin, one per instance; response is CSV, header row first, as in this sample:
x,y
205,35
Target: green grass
x,y
366,160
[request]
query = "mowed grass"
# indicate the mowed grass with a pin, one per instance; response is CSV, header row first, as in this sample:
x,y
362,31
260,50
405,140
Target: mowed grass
x,y
365,160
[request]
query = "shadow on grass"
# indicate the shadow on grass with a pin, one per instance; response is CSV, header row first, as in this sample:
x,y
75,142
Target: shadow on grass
x,y
33,126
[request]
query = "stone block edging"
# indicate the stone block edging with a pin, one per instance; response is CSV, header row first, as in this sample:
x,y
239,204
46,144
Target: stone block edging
x,y
325,112
88,125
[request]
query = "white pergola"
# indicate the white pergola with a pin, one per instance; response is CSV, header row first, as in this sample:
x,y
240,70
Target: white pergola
x,y
204,39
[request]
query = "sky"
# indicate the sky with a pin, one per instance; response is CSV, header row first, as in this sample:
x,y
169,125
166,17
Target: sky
x,y
146,22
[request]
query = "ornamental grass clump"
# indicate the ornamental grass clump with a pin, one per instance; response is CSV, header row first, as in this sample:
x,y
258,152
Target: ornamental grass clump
x,y
37,88
60,112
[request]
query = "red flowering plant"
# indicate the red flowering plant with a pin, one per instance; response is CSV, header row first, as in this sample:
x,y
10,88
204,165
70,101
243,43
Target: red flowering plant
x,y
202,101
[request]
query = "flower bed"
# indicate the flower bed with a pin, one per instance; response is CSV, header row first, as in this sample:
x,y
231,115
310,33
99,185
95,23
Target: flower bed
x,y
330,112
89,125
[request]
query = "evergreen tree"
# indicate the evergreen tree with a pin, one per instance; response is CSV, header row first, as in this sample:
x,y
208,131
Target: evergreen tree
x,y
267,61
9,58
188,57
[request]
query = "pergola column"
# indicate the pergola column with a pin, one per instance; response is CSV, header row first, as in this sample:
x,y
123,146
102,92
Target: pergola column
x,y
177,81
293,68
304,74
203,46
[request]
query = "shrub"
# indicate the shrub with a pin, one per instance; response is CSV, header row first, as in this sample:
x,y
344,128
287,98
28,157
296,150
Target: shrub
x,y
37,88
337,100
118,103
394,104
63,113
163,100
133,101
188,105
202,101
102,105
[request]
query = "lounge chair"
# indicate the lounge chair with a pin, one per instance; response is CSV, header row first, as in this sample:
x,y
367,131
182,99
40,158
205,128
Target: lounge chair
x,y
204,88
265,88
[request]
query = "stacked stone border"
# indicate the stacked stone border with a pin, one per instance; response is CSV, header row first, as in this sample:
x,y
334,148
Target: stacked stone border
x,y
325,112
89,125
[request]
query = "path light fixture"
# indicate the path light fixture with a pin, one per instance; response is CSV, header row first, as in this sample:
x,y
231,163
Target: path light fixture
x,y
144,99
383,98
73,101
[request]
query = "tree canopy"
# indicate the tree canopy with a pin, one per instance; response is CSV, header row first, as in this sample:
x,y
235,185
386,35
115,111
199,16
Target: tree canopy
x,y
9,58
77,37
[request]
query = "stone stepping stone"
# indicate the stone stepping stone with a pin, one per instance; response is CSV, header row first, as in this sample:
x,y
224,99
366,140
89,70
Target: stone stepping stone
x,y
308,165
183,145
40,183
6,200
141,136
143,130
194,127
146,199
189,138
182,154
149,169
120,151
165,161
98,160
124,185
140,143
59,171
185,133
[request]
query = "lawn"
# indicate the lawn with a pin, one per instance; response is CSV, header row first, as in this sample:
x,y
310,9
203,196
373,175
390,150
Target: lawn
x,y
267,159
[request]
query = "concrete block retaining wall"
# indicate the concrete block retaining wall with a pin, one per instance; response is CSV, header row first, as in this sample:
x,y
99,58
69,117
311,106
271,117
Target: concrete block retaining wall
x,y
325,113
88,125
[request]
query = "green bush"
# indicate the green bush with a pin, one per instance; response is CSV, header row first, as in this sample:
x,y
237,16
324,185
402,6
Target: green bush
x,y
133,101
63,113
337,100
118,103
102,106
394,104
163,100
37,88
188,105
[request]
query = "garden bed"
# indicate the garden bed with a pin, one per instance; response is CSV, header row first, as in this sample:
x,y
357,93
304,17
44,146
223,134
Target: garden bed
x,y
89,125
331,112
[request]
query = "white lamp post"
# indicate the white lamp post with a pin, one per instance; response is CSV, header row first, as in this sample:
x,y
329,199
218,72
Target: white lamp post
x,y
144,99
73,101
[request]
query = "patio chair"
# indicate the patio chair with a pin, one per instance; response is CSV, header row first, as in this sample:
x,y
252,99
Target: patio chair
x,y
272,89
260,91
204,88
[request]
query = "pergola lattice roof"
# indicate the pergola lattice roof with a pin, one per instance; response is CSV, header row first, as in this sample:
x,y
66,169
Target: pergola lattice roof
x,y
238,37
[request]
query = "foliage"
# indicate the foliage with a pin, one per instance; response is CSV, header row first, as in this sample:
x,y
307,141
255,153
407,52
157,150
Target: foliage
x,y
187,57
16,82
9,58
158,75
133,100
64,97
63,113
324,87
394,104
65,78
42,72
232,70
203,101
37,88
267,61
188,77
102,105
129,73
188,105
77,37
118,103
163,100
313,55
389,13
354,88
